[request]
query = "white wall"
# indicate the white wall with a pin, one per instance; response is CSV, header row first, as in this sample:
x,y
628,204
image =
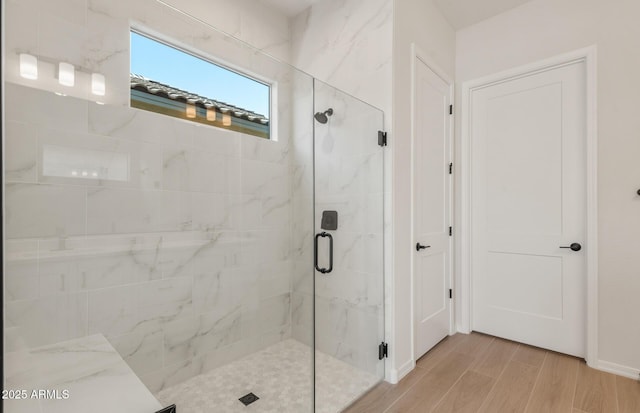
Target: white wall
x,y
544,28
418,22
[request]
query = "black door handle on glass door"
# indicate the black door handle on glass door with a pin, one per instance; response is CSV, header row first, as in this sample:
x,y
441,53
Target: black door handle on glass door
x,y
574,247
315,253
421,247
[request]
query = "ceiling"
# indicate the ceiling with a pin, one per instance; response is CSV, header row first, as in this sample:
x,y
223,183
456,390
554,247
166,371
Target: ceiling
x,y
463,13
460,13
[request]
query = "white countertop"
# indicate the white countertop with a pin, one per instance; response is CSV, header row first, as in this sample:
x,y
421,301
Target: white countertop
x,y
98,380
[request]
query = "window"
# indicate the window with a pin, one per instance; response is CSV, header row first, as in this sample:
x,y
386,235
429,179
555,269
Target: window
x,y
176,83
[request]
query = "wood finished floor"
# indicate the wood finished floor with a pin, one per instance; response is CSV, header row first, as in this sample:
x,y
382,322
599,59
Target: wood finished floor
x,y
480,373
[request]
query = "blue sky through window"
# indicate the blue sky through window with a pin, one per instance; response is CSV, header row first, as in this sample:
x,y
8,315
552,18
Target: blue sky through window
x,y
165,64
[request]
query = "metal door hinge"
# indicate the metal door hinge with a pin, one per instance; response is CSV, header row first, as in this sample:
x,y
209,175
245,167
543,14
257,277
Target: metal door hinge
x,y
383,351
450,293
450,168
450,109
382,138
450,231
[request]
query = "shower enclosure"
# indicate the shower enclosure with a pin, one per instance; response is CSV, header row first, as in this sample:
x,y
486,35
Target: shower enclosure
x,y
150,260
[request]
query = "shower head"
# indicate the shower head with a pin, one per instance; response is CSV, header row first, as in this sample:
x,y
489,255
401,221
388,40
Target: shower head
x,y
323,117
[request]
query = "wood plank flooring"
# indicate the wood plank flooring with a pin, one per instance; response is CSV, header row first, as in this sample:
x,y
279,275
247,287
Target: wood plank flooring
x,y
479,373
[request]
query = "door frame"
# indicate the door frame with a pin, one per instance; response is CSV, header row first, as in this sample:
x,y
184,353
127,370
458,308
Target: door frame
x,y
417,53
464,266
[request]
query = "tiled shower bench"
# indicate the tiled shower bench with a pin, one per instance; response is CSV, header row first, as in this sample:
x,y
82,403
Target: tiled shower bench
x,y
81,375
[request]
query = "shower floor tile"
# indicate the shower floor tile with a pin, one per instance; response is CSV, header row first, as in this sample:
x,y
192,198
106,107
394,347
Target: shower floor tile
x,y
280,376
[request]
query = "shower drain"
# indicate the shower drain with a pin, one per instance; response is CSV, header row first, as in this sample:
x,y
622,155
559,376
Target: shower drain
x,y
247,399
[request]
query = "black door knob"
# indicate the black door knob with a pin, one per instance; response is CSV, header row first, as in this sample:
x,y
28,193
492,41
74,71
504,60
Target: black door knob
x,y
421,247
574,247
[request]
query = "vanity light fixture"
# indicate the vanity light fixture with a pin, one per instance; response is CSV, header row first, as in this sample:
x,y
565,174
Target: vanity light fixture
x,y
28,66
66,74
98,86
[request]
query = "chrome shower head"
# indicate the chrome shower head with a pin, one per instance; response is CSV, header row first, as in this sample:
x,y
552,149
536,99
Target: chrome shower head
x,y
323,117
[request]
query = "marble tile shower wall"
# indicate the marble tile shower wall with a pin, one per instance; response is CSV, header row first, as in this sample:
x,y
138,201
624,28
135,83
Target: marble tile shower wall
x,y
185,264
356,58
349,180
184,267
302,150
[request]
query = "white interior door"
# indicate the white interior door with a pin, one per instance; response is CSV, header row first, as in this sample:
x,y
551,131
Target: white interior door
x,y
432,200
528,201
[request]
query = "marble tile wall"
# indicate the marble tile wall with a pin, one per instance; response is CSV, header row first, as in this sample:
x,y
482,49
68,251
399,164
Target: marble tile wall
x,y
184,263
348,44
202,254
302,219
93,35
349,180
254,22
188,260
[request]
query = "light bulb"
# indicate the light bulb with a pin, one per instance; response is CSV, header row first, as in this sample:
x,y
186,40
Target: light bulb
x,y
28,66
98,86
66,74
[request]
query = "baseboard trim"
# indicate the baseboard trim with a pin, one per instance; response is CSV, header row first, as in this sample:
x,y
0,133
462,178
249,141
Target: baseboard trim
x,y
397,374
618,369
392,378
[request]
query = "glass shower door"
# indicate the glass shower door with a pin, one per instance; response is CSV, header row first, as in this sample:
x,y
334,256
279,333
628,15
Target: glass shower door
x,y
147,256
349,303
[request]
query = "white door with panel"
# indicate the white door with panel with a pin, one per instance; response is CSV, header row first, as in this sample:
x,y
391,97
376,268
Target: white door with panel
x,y
528,156
432,215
